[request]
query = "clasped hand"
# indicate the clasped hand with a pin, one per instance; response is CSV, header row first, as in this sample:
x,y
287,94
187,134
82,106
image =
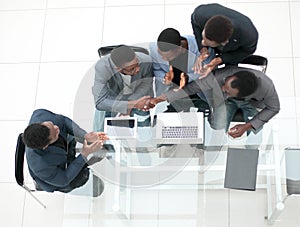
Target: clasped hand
x,y
93,141
204,69
146,103
170,76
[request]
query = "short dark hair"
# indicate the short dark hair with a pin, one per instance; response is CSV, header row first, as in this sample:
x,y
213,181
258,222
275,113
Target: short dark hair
x,y
246,82
218,28
36,136
168,39
121,55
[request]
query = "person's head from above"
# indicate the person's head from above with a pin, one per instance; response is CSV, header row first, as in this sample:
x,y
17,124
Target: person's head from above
x,y
40,135
169,44
240,84
125,60
217,31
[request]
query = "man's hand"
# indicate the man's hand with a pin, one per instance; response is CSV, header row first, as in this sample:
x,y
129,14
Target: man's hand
x,y
102,136
91,148
93,136
239,130
198,66
169,76
183,81
154,101
210,67
141,103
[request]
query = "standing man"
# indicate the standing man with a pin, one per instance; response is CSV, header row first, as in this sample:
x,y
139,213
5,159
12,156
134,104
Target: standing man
x,y
231,34
50,151
123,83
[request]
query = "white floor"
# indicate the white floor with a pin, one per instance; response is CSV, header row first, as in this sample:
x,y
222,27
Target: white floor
x,y
46,49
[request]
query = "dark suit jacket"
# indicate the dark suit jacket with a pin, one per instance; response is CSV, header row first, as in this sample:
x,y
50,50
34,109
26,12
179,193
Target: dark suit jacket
x,y
48,167
244,39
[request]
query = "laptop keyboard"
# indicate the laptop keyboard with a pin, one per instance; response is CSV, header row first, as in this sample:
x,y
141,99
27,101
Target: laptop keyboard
x,y
180,132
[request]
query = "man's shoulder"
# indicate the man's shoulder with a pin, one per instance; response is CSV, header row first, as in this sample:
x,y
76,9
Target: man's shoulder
x,y
42,111
38,115
142,55
103,61
34,157
152,46
209,8
143,58
189,37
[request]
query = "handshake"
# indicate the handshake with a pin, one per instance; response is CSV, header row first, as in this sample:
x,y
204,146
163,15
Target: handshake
x,y
145,103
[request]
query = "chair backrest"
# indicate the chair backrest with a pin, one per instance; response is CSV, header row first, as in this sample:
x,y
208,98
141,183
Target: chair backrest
x,y
19,160
251,60
102,51
19,168
292,159
256,60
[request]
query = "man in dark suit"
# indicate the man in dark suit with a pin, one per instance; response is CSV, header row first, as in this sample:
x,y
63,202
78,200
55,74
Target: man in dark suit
x,y
50,151
231,34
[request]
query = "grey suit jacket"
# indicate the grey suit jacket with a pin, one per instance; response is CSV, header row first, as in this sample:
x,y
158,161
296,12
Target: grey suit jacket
x,y
108,84
264,98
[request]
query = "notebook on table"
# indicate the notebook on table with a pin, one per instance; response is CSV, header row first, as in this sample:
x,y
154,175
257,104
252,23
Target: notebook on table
x,y
180,128
241,169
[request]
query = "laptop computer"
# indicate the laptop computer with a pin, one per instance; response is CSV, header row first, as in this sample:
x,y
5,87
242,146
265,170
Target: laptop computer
x,y
121,127
241,169
180,128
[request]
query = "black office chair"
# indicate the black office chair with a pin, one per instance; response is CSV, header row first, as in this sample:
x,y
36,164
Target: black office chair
x,y
19,168
256,60
102,51
251,60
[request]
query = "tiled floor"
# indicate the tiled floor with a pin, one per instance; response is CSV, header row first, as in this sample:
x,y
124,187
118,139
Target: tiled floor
x,y
47,47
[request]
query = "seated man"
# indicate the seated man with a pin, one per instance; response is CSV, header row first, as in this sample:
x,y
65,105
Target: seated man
x,y
51,159
231,34
123,82
248,89
173,57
